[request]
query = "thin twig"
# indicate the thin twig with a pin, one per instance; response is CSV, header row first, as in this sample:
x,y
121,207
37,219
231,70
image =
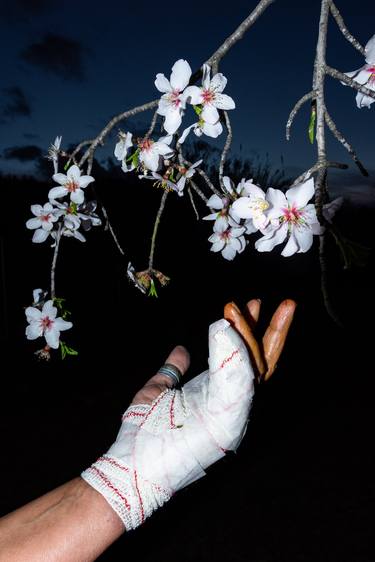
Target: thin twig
x,y
152,125
155,231
316,167
324,281
340,137
344,30
192,203
109,227
54,260
198,191
334,73
310,95
77,149
214,59
226,148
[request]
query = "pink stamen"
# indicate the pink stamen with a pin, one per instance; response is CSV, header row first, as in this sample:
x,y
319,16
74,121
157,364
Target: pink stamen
x,y
46,323
208,96
45,218
145,144
71,186
292,214
174,98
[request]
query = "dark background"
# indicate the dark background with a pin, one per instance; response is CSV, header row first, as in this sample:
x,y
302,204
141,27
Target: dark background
x,y
301,485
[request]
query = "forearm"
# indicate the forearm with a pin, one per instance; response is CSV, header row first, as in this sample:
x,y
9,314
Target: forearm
x,y
70,524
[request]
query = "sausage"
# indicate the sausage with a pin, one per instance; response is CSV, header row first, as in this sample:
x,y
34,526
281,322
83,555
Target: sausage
x,y
276,333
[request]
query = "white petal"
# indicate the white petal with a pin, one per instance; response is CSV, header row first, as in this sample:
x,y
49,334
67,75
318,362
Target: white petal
x,y
180,76
221,224
57,192
218,82
301,194
243,208
162,83
172,121
206,70
211,217
32,313
74,173
304,238
77,196
228,184
215,237
167,139
34,331
85,180
40,235
215,202
272,239
217,246
236,232
210,114
212,130
60,178
47,208
79,236
222,101
229,252
37,210
49,310
370,50
52,337
363,101
253,190
193,95
185,134
277,201
250,227
150,159
33,223
162,148
62,325
291,247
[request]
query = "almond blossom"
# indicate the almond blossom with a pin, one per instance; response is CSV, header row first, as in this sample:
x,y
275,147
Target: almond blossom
x,y
365,75
290,217
229,242
221,216
121,151
186,174
53,153
151,152
42,222
251,204
172,103
70,184
44,323
210,95
200,128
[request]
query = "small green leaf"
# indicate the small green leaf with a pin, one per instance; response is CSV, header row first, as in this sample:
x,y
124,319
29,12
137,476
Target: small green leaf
x,y
67,165
312,124
198,109
66,350
152,292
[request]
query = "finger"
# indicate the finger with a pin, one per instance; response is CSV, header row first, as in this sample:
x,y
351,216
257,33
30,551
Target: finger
x,y
251,312
180,358
233,314
276,333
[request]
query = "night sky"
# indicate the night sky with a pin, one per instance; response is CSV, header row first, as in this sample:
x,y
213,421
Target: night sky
x,y
68,67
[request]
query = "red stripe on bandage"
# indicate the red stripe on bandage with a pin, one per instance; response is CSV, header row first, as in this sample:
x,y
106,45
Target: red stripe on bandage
x,y
131,414
110,485
139,496
226,361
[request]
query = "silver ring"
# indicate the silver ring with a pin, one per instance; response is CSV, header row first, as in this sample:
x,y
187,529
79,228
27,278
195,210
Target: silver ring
x,y
172,372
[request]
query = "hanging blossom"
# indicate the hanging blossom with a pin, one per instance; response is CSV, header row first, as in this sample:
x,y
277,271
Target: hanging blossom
x,y
151,153
186,175
121,151
229,242
44,323
162,181
70,184
172,103
365,75
42,222
210,95
251,205
221,216
290,217
75,215
53,153
200,128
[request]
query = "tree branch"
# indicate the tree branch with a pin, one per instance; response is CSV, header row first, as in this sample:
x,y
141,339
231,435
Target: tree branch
x,y
198,191
112,232
155,231
344,30
192,203
340,137
316,167
334,73
54,260
226,148
152,125
310,95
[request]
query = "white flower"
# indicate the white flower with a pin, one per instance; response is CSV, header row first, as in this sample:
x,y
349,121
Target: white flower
x,y
161,181
221,217
44,323
151,152
290,217
228,242
210,96
365,75
43,221
39,295
53,153
186,174
121,151
72,184
200,128
252,204
172,102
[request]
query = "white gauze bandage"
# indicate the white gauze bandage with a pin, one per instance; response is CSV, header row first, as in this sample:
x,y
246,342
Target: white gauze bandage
x,y
165,446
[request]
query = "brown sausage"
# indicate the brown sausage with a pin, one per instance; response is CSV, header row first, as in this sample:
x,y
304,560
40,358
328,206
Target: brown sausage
x,y
233,314
251,312
276,333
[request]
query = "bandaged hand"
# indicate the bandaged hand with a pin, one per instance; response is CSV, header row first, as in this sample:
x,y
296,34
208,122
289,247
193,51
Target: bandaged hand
x,y
169,436
164,446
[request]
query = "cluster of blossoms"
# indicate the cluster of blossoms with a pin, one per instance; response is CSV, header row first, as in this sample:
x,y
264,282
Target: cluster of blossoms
x,y
57,218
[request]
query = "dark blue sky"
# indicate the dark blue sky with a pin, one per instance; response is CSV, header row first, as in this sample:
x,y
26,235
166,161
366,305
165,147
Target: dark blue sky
x,y
67,67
